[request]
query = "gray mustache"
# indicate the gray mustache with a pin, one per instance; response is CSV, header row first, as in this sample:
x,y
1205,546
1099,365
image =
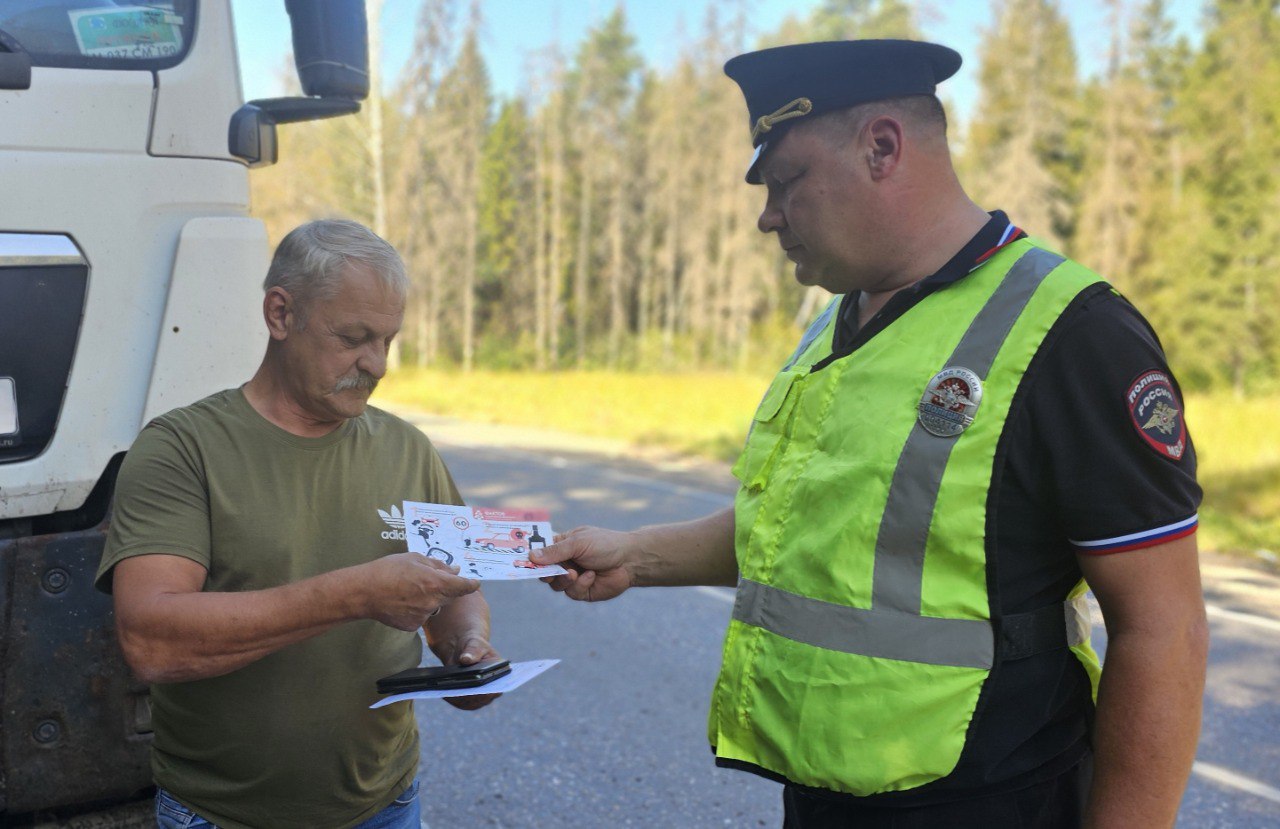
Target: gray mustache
x,y
362,381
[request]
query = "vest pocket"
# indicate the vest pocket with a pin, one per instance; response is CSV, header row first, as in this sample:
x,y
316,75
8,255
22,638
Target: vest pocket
x,y
765,440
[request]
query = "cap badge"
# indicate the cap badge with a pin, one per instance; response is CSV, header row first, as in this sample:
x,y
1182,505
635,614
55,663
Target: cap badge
x,y
795,109
949,402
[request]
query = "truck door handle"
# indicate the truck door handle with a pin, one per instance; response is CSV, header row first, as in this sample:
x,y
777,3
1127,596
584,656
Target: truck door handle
x,y
15,63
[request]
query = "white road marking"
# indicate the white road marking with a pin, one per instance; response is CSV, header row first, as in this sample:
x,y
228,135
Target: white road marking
x,y
1227,777
1211,610
1244,618
716,498
724,594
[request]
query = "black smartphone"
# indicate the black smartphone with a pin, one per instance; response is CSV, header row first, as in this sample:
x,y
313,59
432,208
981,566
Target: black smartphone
x,y
444,677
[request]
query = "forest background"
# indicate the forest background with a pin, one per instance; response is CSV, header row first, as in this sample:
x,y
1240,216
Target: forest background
x,y
584,253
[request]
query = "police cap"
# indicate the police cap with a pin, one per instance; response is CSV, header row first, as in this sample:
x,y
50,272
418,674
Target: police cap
x,y
786,84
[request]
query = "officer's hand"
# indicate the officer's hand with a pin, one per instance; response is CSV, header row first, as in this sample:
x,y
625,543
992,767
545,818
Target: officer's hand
x,y
404,590
597,561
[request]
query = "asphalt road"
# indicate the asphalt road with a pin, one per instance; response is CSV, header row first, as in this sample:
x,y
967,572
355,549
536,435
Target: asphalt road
x,y
615,734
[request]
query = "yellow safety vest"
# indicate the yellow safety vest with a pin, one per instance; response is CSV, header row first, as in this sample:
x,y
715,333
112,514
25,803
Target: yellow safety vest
x,y
862,632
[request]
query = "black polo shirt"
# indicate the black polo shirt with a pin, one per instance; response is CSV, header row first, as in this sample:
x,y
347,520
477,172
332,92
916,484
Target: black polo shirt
x,y
1094,459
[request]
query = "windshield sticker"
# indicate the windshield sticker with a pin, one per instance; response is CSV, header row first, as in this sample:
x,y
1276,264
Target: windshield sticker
x,y
129,32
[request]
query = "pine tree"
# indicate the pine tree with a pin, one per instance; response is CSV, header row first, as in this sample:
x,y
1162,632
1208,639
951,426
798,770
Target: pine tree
x,y
446,97
1132,183
460,123
1127,165
418,189
506,283
603,90
849,19
550,129
1018,153
1227,208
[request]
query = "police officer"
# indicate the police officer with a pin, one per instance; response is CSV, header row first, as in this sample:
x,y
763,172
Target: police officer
x,y
974,429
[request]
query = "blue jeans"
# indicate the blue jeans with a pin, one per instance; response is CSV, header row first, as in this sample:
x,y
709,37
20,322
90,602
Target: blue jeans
x,y
403,813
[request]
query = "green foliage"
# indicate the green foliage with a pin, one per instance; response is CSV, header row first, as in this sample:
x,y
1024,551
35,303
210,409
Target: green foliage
x,y
600,219
503,349
1020,154
503,282
607,65
844,19
1123,178
849,19
1239,468
1214,270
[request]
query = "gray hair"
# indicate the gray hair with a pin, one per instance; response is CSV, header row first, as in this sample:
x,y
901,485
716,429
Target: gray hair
x,y
311,260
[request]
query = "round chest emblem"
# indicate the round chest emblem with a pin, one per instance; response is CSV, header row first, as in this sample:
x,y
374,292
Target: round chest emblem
x,y
949,402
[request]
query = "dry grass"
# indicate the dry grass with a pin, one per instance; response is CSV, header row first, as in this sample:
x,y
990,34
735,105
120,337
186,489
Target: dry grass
x,y
703,413
1238,449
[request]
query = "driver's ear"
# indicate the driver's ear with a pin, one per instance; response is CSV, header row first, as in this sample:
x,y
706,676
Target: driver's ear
x,y
279,313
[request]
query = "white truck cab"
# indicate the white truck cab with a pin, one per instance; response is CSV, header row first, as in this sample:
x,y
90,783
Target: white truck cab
x,y
130,282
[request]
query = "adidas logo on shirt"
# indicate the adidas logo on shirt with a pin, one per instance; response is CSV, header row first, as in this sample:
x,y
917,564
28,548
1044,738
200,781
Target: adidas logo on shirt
x,y
394,520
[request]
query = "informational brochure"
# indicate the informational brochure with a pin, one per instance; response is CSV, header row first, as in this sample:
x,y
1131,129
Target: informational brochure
x,y
521,672
492,544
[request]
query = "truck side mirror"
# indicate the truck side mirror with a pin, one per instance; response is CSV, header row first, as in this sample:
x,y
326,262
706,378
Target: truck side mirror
x,y
252,137
15,64
331,47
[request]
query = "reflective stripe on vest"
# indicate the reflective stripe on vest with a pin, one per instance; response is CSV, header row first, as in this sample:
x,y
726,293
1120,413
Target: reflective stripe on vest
x,y
914,491
889,634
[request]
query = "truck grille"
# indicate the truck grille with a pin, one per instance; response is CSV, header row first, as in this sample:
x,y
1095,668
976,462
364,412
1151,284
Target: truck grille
x,y
43,278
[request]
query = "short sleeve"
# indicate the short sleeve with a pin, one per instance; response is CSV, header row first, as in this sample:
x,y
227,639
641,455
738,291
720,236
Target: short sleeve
x,y
440,481
161,504
1109,431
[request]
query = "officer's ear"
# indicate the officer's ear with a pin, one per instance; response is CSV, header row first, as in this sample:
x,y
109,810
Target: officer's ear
x,y
882,145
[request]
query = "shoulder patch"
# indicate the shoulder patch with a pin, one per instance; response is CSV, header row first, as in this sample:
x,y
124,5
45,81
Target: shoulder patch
x,y
1156,412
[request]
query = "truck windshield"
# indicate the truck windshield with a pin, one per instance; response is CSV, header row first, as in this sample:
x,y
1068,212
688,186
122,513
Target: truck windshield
x,y
101,34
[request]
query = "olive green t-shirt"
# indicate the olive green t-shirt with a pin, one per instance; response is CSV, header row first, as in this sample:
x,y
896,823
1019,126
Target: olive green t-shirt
x,y
289,740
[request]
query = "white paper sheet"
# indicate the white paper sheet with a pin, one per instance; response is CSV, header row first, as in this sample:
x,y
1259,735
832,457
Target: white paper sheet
x,y
492,544
521,672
